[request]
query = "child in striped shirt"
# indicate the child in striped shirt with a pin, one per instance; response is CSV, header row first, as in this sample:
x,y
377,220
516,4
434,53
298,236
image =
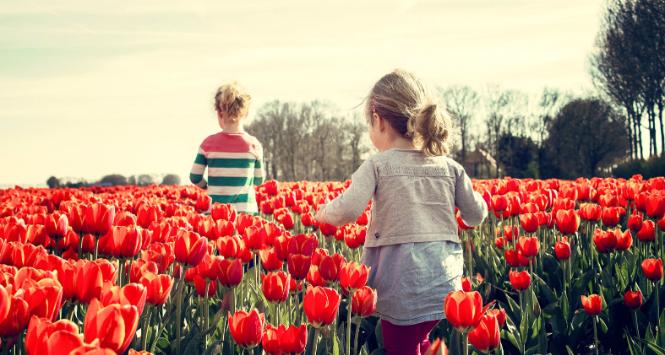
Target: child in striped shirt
x,y
234,158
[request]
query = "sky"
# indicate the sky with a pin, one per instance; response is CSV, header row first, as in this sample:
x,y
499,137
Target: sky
x,y
89,88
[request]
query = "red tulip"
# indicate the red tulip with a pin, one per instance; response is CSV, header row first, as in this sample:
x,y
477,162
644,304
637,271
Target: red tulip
x,y
303,244
499,314
529,246
314,277
363,303
593,304
200,284
230,272
44,298
520,280
202,203
529,222
89,281
5,302
611,216
466,284
114,325
98,218
624,240
158,288
604,241
632,299
353,276
283,340
121,242
225,212
655,205
486,335
44,337
562,249
230,247
647,232
190,248
132,294
567,221
653,269
463,309
590,212
56,225
298,266
438,347
275,286
247,328
17,318
269,260
330,267
515,258
321,305
635,222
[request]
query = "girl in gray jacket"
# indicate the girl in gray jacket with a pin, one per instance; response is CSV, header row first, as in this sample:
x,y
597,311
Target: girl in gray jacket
x,y
412,245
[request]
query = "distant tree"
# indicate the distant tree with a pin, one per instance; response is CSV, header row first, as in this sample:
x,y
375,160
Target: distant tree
x,y
53,182
518,156
461,102
113,180
586,135
131,180
629,66
171,179
145,180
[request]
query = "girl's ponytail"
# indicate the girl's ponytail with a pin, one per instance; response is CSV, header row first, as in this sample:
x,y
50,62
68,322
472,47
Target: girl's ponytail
x,y
431,128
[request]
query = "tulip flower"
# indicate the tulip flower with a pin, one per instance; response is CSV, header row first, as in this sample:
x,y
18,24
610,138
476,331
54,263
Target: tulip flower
x,y
364,301
330,267
98,218
17,318
353,276
302,244
246,328
604,241
520,280
321,305
486,335
463,310
632,299
275,286
230,272
611,216
225,212
202,203
56,225
529,246
635,222
466,284
298,266
5,302
44,337
647,232
113,325
229,247
283,340
529,222
590,212
121,242
269,260
567,221
44,298
133,294
190,248
653,269
562,249
499,314
593,304
438,347
624,240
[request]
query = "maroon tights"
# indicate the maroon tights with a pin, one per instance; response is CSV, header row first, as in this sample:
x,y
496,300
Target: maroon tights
x,y
406,339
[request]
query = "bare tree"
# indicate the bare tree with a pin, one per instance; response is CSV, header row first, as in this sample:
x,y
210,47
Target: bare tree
x,y
461,102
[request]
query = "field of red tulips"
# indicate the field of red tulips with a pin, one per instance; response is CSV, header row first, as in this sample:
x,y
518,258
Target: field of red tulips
x,y
561,267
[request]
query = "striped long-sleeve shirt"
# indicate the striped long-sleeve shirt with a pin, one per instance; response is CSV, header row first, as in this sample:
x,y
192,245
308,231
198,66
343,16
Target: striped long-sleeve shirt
x,y
235,166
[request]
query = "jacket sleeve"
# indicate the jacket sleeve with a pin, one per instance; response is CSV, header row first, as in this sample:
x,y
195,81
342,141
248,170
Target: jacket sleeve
x,y
471,204
347,207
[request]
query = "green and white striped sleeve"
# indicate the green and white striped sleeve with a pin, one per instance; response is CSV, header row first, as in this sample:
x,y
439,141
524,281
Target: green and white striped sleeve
x,y
200,163
259,170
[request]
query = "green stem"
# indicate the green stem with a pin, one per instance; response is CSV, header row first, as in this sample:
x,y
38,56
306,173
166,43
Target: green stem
x,y
144,329
355,340
80,245
121,268
96,245
178,311
348,323
657,304
206,314
315,341
637,328
465,344
595,335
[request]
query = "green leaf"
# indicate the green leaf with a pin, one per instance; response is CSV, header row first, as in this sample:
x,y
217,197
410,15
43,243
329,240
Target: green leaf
x,y
335,349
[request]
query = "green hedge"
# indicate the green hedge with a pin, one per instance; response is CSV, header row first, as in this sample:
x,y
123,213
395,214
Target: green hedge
x,y
647,168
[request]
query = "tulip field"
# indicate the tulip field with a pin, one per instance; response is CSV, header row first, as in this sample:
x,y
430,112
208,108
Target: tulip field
x,y
560,267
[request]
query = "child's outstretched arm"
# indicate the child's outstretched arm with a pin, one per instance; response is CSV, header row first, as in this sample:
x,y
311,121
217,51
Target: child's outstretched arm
x,y
471,204
349,205
196,175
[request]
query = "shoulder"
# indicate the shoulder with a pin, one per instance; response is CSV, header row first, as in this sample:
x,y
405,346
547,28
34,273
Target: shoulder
x,y
254,144
211,141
